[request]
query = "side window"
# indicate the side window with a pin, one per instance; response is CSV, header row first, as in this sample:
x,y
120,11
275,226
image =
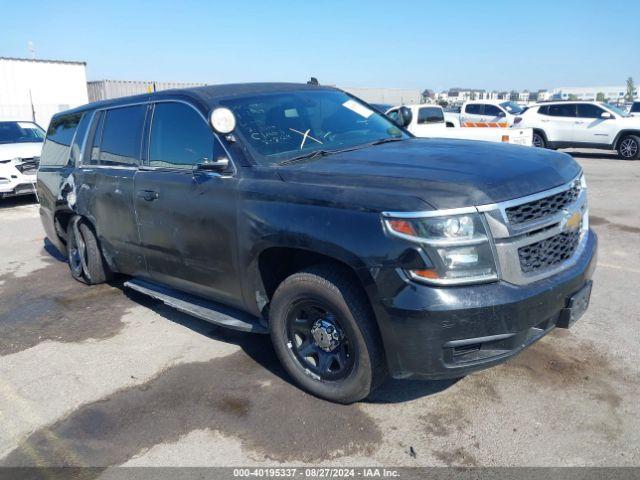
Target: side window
x,y
472,108
55,150
180,138
81,132
587,110
544,110
635,108
567,110
492,111
430,115
121,136
92,152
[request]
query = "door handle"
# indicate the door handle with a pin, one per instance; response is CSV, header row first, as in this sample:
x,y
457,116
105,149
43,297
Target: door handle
x,y
579,123
148,195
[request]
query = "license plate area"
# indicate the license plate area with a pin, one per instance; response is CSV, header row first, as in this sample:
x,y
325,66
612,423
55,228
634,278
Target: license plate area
x,y
577,304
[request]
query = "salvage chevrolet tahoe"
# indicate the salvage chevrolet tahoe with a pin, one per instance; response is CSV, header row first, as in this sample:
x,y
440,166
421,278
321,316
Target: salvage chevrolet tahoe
x,y
300,212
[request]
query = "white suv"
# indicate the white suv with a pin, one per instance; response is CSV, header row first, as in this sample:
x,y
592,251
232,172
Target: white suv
x,y
20,148
584,124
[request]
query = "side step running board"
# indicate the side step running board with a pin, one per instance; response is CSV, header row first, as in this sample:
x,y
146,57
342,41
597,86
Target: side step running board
x,y
199,307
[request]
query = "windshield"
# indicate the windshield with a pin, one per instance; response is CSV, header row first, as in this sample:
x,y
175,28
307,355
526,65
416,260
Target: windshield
x,y
20,132
616,110
281,126
512,107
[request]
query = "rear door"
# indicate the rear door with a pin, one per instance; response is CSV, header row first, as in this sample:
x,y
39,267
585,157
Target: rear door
x,y
559,122
105,184
471,114
187,217
590,127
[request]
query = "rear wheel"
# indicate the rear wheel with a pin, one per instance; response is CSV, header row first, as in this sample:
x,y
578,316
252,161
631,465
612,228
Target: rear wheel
x,y
325,336
538,140
85,259
629,147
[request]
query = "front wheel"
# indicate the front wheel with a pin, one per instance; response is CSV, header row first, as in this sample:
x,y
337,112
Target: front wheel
x,y
629,148
538,140
325,336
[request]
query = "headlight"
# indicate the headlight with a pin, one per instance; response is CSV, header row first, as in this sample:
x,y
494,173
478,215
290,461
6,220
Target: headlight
x,y
457,245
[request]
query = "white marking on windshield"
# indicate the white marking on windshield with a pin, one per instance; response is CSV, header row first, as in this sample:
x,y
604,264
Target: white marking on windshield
x,y
305,135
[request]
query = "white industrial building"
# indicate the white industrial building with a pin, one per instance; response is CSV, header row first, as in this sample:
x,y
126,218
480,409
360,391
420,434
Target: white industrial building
x,y
613,94
37,89
107,89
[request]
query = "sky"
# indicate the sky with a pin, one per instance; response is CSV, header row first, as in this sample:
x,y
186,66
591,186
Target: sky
x,y
423,44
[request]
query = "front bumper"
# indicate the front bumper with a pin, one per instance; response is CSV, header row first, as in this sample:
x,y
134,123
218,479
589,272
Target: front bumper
x,y
448,332
20,185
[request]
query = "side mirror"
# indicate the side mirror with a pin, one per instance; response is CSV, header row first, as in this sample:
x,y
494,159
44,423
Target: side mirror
x,y
404,117
221,165
606,115
501,114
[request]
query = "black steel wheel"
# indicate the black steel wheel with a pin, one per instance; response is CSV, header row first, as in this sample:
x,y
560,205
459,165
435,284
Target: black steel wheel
x,y
325,334
318,342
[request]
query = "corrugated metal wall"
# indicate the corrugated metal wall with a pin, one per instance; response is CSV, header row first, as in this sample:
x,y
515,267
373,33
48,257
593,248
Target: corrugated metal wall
x,y
52,86
107,89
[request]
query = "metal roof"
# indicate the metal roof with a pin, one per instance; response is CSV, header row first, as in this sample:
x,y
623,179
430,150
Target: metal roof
x,y
17,59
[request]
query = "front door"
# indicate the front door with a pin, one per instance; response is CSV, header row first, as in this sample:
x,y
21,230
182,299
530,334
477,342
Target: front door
x,y
187,217
591,127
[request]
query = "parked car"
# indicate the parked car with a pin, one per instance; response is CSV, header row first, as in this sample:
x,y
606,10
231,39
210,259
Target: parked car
x,y
584,125
431,121
20,147
634,111
490,113
299,212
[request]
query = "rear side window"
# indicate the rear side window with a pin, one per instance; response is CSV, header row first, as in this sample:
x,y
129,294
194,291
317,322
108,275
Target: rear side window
x,y
121,136
473,108
563,110
78,139
586,110
430,115
180,138
57,145
635,108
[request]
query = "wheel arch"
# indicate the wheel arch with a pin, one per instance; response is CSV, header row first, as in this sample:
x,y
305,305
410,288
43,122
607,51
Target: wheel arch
x,y
624,133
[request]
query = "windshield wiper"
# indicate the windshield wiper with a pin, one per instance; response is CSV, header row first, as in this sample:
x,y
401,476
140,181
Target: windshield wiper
x,y
306,156
387,140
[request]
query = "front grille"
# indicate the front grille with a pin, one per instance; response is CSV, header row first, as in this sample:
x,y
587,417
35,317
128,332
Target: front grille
x,y
548,252
543,207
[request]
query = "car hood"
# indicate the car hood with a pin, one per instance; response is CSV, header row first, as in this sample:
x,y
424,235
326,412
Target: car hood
x,y
9,151
443,173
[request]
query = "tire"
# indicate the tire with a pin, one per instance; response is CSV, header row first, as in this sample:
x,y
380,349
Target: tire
x,y
347,311
629,148
83,253
538,140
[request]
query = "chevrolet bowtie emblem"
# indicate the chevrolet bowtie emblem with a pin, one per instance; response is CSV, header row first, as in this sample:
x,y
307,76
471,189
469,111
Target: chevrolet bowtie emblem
x,y
573,221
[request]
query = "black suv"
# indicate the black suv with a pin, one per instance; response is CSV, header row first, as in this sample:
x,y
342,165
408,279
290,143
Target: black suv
x,y
300,212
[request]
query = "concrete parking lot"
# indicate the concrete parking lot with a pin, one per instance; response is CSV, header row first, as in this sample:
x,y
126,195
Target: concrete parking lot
x,y
98,376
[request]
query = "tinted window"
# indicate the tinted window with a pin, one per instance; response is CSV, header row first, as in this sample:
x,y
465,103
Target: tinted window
x,y
92,155
55,150
81,132
563,110
473,108
394,115
121,135
587,110
179,137
430,115
492,111
20,132
635,108
544,110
